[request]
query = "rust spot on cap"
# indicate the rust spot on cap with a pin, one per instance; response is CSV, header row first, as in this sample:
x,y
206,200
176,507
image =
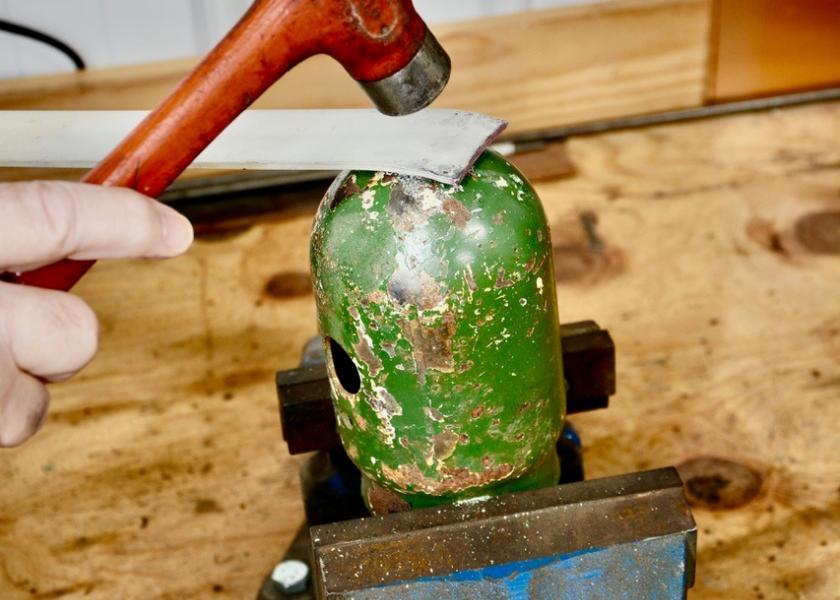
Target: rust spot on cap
x,y
415,287
348,188
444,444
431,344
501,280
456,211
529,266
410,478
468,277
461,478
365,353
384,502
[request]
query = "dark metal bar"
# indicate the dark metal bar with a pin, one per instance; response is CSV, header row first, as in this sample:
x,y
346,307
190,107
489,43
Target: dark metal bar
x,y
675,116
307,417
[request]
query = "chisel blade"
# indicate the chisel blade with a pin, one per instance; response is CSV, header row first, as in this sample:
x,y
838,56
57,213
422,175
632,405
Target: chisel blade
x,y
439,144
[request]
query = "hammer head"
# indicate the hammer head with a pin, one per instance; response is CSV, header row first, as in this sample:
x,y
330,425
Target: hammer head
x,y
415,85
384,44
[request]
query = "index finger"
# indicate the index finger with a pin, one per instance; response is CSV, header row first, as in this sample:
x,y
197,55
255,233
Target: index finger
x,y
42,222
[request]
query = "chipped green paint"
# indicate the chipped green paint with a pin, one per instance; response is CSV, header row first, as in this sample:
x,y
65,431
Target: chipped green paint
x,y
444,299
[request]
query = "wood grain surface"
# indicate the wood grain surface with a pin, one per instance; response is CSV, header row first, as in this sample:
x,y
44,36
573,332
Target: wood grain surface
x,y
536,69
714,262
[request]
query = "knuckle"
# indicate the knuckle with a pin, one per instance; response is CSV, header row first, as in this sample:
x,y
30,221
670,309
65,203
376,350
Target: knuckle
x,y
147,227
51,210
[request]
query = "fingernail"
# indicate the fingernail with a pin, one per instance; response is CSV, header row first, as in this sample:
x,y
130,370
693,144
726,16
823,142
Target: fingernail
x,y
177,230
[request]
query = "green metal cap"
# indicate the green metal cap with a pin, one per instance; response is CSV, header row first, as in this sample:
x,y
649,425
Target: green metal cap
x,y
437,305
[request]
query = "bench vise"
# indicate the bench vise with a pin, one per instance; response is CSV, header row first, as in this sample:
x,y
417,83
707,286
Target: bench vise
x,y
630,536
444,369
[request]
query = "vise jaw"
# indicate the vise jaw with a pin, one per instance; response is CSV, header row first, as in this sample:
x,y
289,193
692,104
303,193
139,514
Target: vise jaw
x,y
625,537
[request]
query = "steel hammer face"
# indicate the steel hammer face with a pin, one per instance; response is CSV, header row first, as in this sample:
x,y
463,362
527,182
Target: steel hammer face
x,y
385,46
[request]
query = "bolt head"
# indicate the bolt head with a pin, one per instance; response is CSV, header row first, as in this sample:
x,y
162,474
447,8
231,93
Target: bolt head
x,y
290,576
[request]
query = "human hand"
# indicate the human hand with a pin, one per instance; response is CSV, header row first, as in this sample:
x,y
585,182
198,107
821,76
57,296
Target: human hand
x,y
46,335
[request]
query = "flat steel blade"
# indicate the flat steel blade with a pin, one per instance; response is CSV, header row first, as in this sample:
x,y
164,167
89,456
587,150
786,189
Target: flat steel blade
x,y
439,144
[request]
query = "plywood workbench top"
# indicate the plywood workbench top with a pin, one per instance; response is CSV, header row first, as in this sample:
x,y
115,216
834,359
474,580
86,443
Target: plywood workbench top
x,y
161,472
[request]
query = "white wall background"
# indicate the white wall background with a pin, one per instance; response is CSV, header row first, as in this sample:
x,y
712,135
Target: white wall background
x,y
120,32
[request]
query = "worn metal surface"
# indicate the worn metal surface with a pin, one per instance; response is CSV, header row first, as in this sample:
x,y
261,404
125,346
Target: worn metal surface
x,y
630,536
438,303
308,419
415,85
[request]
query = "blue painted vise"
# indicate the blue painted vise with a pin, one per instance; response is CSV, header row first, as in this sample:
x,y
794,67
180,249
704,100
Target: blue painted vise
x,y
625,537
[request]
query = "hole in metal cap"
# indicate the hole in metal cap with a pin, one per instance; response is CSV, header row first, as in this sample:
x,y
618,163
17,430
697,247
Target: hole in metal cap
x,y
344,368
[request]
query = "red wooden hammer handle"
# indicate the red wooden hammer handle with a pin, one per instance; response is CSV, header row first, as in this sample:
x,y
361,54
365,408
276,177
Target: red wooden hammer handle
x,y
371,38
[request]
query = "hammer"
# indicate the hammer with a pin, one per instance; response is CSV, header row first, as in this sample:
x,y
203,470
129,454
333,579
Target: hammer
x,y
383,44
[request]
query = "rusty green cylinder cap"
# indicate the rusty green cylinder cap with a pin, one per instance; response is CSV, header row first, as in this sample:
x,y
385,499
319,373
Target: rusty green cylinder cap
x,y
438,309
